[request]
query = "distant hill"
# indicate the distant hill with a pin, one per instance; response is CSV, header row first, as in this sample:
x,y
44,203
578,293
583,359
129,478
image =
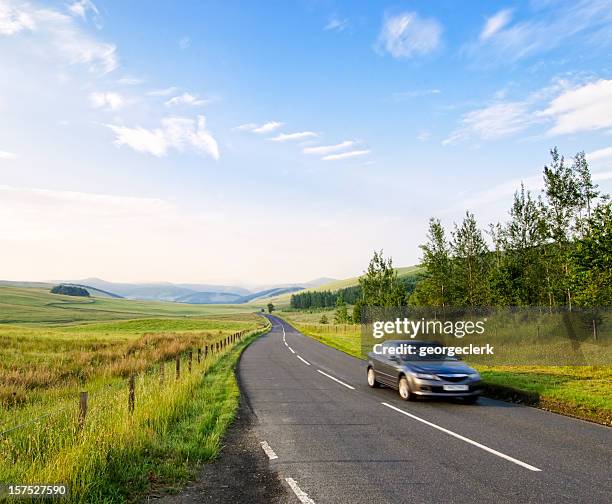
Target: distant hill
x,y
284,299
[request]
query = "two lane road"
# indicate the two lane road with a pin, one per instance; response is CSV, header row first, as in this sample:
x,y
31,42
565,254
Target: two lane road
x,y
332,439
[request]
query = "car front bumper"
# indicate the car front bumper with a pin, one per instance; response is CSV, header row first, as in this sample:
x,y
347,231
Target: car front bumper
x,y
435,388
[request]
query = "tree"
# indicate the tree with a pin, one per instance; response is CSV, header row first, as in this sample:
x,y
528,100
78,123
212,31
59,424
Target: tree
x,y
341,316
270,307
470,265
436,288
324,319
380,285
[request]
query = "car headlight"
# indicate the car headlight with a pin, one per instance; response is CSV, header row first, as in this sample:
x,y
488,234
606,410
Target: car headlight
x,y
474,376
425,376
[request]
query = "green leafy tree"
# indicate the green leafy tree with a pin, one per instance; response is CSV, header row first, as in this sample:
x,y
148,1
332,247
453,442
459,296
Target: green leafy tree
x,y
341,316
323,319
380,285
270,307
436,289
471,262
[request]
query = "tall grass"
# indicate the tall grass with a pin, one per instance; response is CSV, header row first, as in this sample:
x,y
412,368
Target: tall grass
x,y
117,456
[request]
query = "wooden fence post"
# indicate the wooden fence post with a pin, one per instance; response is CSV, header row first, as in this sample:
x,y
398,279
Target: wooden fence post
x,y
199,355
205,352
594,330
190,359
178,366
132,394
83,396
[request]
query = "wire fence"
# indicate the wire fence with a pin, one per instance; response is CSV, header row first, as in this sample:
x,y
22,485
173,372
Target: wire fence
x,y
90,408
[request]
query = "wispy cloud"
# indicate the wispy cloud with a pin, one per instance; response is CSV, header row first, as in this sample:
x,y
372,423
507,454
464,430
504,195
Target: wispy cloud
x,y
106,100
346,155
184,42
553,24
493,122
177,133
267,127
7,155
163,91
328,149
415,93
82,7
584,108
600,154
408,35
186,99
59,34
337,24
495,23
424,135
128,80
300,135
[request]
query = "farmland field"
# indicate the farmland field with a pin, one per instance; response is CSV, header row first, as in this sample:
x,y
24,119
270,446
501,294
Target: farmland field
x,y
581,391
54,347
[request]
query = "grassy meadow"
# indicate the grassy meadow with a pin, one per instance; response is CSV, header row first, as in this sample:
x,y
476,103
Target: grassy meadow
x,y
581,391
53,347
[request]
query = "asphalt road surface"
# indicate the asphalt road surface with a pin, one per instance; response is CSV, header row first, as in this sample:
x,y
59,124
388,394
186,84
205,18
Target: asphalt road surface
x,y
332,439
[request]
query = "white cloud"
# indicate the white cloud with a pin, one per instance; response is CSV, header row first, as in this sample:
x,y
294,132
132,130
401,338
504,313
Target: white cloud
x,y
129,81
407,95
284,137
178,133
186,99
7,155
81,7
408,35
260,128
493,122
108,100
58,34
424,135
346,155
495,23
328,149
13,19
184,42
551,25
163,92
584,108
599,154
337,24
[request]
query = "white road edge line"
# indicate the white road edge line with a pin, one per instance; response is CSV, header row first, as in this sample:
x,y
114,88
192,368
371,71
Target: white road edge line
x,y
467,440
292,350
269,451
336,380
303,496
304,360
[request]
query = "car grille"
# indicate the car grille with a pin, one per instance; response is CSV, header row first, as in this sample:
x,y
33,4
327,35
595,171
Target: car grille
x,y
454,378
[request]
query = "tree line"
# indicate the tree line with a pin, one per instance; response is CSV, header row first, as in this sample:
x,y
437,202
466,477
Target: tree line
x,y
555,249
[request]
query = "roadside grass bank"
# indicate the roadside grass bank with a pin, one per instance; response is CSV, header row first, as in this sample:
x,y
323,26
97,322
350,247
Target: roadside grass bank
x,y
583,392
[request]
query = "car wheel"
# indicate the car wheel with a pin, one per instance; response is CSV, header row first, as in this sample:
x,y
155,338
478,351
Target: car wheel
x,y
372,382
404,389
470,399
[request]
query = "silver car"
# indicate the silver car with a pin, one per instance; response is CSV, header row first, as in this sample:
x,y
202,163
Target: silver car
x,y
422,375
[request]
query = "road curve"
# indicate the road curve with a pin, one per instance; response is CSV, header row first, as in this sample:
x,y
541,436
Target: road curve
x,y
332,439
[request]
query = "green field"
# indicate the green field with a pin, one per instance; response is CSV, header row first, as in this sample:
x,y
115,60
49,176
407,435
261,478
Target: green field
x,y
581,391
57,346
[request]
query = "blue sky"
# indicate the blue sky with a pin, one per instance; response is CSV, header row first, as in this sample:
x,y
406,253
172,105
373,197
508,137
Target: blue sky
x,y
252,142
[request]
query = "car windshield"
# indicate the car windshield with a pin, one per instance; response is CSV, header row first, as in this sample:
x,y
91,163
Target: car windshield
x,y
429,352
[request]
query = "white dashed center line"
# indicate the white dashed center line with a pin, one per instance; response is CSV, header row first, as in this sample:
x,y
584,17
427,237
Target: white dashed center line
x,y
336,380
303,496
292,350
269,451
463,438
304,360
